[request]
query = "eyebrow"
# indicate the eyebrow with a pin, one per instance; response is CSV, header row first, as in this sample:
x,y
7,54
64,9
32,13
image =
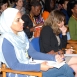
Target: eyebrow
x,y
17,19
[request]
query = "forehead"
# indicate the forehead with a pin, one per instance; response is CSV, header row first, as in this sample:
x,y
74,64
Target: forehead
x,y
66,2
75,6
52,1
37,7
18,15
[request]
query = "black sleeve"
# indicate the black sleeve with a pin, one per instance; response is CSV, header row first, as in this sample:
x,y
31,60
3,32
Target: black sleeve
x,y
64,41
27,25
47,40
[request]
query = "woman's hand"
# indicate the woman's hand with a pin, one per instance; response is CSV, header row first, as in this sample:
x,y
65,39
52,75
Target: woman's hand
x,y
32,29
45,66
59,57
69,51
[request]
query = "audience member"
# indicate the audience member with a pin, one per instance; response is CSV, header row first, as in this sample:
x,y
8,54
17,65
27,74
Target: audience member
x,y
72,6
3,5
19,5
59,4
42,4
11,3
50,42
64,10
48,7
29,19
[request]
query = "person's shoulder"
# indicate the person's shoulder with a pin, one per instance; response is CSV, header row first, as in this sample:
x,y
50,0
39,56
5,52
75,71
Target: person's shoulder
x,y
47,27
45,15
6,42
72,19
25,16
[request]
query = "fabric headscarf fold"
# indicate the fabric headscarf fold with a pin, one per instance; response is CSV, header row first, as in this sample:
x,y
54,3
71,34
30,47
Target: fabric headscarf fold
x,y
6,19
19,41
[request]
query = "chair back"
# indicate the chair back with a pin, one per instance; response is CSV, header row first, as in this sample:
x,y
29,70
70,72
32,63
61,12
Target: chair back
x,y
35,43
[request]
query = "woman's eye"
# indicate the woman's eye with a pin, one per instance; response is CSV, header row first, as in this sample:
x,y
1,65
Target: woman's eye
x,y
18,19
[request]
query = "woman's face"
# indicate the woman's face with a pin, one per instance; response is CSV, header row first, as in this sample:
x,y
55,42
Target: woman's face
x,y
17,24
4,6
74,10
36,10
65,5
19,3
61,24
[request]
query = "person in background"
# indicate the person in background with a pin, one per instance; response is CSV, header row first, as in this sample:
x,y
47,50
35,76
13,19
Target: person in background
x,y
19,5
72,24
3,5
15,49
59,4
64,10
48,7
39,18
11,3
29,19
49,40
42,5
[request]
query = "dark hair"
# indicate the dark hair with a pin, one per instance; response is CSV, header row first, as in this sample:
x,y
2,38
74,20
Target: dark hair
x,y
33,3
60,2
71,4
47,5
11,1
15,2
3,2
63,1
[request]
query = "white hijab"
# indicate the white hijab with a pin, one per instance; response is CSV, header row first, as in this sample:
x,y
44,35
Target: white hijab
x,y
20,41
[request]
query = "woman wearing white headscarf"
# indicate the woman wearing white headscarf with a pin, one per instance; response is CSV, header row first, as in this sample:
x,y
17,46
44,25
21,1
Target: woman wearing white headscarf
x,y
14,46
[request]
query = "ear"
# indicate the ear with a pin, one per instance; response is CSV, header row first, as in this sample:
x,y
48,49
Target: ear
x,y
32,7
72,10
63,5
16,3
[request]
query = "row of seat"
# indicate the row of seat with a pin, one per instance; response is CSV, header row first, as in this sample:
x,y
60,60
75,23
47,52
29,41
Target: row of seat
x,y
5,70
70,43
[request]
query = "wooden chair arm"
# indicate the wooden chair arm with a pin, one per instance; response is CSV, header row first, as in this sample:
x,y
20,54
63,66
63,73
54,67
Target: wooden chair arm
x,y
4,70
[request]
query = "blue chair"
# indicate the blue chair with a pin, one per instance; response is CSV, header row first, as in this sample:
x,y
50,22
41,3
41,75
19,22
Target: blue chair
x,y
35,43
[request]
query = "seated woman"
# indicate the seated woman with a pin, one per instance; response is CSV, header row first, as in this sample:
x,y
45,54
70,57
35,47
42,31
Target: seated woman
x,y
50,42
72,24
19,5
15,48
29,19
48,7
